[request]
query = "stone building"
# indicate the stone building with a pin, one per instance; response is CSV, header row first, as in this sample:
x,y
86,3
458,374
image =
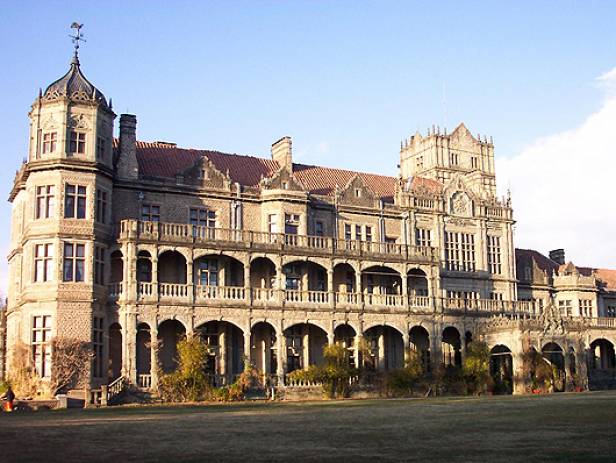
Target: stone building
x,y
128,245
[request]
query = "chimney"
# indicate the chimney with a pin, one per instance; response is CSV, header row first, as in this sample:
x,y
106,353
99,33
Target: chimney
x,y
127,161
558,256
281,153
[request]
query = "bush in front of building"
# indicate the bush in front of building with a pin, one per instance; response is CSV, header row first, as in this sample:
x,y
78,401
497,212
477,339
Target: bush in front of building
x,y
188,383
403,382
476,368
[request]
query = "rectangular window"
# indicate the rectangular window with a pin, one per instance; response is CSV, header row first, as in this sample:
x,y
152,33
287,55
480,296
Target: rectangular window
x,y
462,294
208,272
368,233
45,201
74,262
150,213
566,308
75,201
291,224
41,350
318,229
43,262
77,143
99,265
475,162
496,296
202,217
293,276
460,251
611,311
423,237
419,162
585,308
494,255
347,232
453,159
100,148
358,235
50,140
97,345
101,206
272,223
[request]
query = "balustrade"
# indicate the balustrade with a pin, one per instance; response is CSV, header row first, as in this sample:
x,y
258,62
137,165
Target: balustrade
x,y
187,233
173,290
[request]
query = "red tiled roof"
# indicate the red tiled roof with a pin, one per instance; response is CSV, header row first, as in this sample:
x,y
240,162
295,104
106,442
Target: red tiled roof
x,y
608,276
159,159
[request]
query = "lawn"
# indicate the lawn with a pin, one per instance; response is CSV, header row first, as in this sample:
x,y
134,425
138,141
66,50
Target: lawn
x,y
560,427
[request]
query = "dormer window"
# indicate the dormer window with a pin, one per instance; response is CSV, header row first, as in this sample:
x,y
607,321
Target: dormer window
x,y
49,142
475,162
285,185
357,192
203,174
77,143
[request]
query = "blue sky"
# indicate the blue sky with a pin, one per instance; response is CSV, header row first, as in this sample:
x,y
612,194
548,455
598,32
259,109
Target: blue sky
x,y
347,80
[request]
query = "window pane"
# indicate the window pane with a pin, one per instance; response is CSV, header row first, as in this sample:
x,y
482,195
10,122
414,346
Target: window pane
x,y
79,270
80,250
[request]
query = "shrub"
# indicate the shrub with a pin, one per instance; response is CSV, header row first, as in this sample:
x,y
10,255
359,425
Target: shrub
x,y
402,381
476,367
22,375
540,372
188,383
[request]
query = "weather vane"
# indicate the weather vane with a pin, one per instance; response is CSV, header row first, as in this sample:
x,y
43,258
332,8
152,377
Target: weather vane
x,y
78,37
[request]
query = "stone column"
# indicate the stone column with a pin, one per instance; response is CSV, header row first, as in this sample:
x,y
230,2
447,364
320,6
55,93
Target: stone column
x,y
189,278
247,347
305,347
568,374
381,354
247,294
435,341
281,348
279,283
404,287
519,379
330,287
155,275
131,334
154,354
406,346
358,342
222,353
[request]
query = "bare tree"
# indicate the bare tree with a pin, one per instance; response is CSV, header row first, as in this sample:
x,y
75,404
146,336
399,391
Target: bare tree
x,y
70,360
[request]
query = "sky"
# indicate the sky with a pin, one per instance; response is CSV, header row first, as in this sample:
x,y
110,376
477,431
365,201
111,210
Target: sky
x,y
347,80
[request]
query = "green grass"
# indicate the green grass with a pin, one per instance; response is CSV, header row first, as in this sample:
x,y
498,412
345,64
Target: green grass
x,y
560,427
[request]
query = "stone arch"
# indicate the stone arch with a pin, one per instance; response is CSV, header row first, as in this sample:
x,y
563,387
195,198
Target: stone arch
x,y
170,332
417,283
554,354
217,269
172,267
115,351
144,266
381,285
345,278
451,345
304,345
144,351
264,349
385,347
304,275
225,341
262,273
419,341
602,354
501,369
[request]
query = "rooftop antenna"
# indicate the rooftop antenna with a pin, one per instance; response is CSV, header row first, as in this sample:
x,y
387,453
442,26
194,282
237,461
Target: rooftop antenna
x,y
78,37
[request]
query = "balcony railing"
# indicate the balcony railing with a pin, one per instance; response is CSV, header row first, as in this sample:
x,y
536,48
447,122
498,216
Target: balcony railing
x,y
243,239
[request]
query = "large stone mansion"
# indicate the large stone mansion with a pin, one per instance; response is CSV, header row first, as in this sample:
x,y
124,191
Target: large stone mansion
x,y
119,242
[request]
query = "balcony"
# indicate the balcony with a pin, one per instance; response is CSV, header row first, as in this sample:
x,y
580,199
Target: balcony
x,y
176,233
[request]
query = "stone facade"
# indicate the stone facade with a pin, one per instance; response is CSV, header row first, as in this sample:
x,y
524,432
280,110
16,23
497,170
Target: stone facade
x,y
130,245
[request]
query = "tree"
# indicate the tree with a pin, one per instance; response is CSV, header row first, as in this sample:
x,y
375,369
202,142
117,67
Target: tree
x,y
476,367
69,364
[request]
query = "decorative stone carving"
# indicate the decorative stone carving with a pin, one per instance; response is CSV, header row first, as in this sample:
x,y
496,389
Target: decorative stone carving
x,y
78,121
460,204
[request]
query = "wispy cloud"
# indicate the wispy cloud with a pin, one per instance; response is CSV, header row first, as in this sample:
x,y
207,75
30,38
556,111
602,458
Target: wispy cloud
x,y
563,187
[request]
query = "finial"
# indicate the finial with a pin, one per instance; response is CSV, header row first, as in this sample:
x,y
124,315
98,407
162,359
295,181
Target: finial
x,y
78,37
491,140
110,103
40,93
